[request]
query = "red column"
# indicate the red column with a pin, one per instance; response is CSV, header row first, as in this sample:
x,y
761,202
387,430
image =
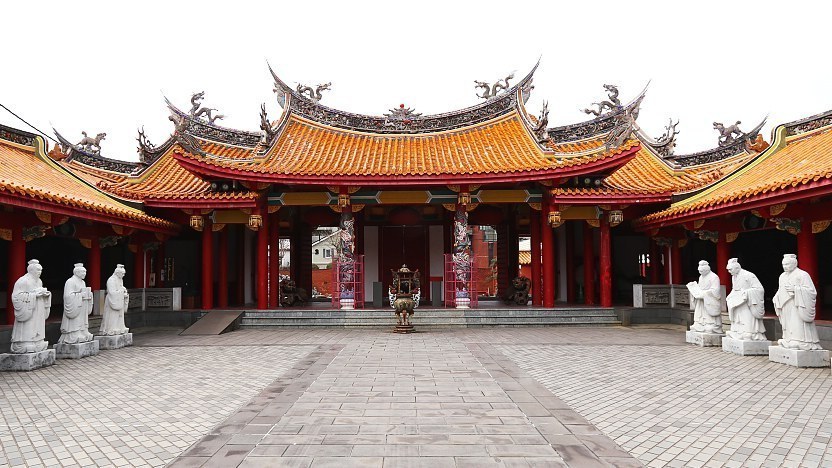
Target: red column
x,y
274,260
94,265
138,267
17,267
537,289
589,266
605,261
241,265
655,262
676,262
723,252
548,254
807,254
207,265
262,274
222,274
569,232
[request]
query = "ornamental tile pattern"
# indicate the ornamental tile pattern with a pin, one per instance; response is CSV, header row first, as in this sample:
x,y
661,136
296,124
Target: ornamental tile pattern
x,y
26,174
166,179
503,145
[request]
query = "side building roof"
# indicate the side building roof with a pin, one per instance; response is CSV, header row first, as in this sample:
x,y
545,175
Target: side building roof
x,y
798,164
30,179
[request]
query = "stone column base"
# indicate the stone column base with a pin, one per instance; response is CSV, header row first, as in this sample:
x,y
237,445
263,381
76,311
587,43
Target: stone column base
x,y
76,350
114,341
704,339
798,358
746,347
27,361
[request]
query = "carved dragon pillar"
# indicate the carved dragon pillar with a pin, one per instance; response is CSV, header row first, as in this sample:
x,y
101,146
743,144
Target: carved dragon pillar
x,y
462,255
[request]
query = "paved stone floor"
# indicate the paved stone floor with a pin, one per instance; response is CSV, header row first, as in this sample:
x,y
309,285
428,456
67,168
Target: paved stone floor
x,y
465,397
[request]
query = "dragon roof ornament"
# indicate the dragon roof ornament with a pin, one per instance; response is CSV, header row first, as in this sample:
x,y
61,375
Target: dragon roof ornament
x,y
604,123
84,154
665,144
737,146
206,130
291,100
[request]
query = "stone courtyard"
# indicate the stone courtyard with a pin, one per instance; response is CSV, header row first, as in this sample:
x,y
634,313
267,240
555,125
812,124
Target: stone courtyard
x,y
556,396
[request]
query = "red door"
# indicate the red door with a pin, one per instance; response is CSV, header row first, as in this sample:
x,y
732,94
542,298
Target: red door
x,y
404,245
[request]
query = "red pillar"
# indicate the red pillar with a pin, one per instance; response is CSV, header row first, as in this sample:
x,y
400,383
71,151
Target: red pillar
x,y
676,262
207,265
274,260
655,262
263,262
138,267
723,252
807,255
605,261
222,274
241,265
94,265
537,289
548,254
17,267
569,232
589,266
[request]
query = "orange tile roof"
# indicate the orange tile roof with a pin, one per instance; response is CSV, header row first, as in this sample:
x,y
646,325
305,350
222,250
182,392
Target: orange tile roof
x,y
647,174
166,179
26,172
804,159
308,149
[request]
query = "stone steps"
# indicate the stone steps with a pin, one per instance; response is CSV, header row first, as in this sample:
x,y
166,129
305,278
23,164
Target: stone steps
x,y
431,318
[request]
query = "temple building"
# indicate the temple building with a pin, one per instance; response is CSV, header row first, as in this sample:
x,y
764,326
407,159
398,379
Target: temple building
x,y
601,204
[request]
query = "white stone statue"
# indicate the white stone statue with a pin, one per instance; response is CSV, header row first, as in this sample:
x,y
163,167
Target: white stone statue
x,y
794,303
31,303
77,308
112,320
745,304
705,301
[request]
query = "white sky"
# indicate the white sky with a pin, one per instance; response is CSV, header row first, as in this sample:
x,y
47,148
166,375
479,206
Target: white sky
x,y
103,66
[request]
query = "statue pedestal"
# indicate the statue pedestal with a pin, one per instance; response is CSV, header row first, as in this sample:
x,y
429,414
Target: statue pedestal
x,y
463,302
704,339
114,341
347,304
404,329
745,347
798,358
27,361
76,350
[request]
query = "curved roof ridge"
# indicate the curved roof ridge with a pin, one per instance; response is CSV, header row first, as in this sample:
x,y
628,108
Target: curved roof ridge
x,y
493,107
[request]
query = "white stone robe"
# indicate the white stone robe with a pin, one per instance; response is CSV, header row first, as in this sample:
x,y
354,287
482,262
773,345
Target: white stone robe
x,y
30,313
797,311
705,297
746,307
77,308
112,320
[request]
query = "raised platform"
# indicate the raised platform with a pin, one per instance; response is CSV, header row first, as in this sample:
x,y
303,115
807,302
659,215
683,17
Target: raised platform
x,y
76,350
704,339
798,358
114,341
746,347
431,317
27,361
